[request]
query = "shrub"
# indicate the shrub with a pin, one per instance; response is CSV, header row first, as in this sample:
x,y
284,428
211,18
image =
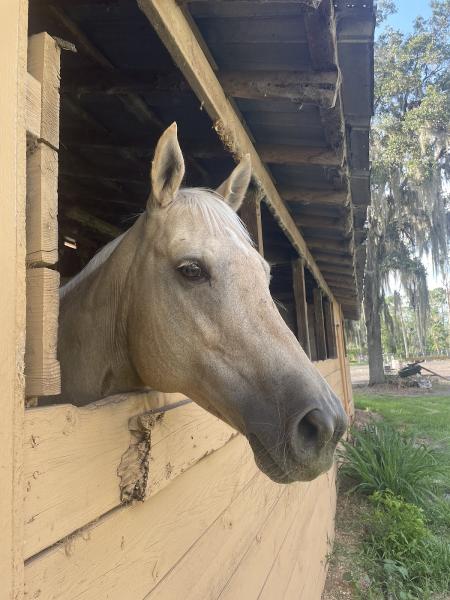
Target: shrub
x,y
409,560
381,459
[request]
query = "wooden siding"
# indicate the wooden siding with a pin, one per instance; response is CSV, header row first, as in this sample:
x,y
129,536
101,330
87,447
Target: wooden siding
x,y
210,516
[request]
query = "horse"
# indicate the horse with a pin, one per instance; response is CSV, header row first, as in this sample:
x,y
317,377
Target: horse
x,y
180,303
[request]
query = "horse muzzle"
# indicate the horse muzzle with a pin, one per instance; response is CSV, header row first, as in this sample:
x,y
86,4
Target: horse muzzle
x,y
304,450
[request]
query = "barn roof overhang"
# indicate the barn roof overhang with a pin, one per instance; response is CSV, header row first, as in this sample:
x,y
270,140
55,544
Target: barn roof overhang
x,y
290,81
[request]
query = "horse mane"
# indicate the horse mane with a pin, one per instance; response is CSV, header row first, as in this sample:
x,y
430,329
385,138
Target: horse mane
x,y
95,262
204,204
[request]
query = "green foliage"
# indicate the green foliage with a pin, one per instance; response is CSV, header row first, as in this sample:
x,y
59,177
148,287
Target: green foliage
x,y
399,331
410,165
406,556
403,552
380,459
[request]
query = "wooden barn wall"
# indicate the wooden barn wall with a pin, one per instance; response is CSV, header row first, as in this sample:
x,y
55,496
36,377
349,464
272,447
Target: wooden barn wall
x,y
211,526
13,16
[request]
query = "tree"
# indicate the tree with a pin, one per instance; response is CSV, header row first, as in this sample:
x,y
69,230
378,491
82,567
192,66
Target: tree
x,y
410,164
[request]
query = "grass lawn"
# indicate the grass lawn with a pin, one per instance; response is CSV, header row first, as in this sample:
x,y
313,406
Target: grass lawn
x,y
425,417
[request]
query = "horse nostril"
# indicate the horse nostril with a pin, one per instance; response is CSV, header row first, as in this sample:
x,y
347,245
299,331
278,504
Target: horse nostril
x,y
314,430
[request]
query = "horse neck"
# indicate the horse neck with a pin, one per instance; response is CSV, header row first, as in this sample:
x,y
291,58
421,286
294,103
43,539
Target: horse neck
x,y
92,344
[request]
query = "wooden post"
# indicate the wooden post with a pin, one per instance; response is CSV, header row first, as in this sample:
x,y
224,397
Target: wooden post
x,y
320,325
250,213
298,279
14,19
330,329
312,332
41,366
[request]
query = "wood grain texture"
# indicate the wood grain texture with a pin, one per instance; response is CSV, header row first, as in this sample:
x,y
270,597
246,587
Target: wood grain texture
x,y
127,552
14,19
42,206
72,456
250,213
298,281
33,106
42,371
44,65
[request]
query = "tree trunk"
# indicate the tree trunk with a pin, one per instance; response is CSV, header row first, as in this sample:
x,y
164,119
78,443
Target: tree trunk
x,y
372,310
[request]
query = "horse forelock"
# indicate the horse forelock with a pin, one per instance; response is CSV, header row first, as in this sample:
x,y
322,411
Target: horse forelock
x,y
209,208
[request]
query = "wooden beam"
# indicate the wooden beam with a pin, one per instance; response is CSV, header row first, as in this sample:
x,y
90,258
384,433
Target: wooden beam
x,y
327,258
298,86
298,155
314,197
171,25
298,278
270,153
309,3
329,269
332,223
334,246
42,371
33,107
250,213
42,206
44,65
319,325
91,222
330,329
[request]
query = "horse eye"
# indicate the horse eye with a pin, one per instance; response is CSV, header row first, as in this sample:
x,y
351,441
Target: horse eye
x,y
192,271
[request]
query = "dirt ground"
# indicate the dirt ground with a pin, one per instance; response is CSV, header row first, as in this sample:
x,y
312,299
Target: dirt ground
x,y
360,373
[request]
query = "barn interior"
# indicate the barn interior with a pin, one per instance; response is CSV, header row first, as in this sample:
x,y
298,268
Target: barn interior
x,y
296,80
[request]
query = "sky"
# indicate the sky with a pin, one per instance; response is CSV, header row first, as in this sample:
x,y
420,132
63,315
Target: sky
x,y
403,19
407,11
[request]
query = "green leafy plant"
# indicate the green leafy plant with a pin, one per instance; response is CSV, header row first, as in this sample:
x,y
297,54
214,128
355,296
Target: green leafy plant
x,y
409,559
381,459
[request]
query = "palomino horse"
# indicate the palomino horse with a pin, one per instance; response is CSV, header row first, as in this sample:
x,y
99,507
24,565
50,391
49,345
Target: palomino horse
x,y
181,303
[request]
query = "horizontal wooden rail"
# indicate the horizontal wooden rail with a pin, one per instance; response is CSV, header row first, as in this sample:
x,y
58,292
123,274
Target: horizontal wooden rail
x,y
72,457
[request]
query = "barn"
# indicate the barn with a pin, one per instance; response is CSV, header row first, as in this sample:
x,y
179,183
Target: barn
x,y
148,495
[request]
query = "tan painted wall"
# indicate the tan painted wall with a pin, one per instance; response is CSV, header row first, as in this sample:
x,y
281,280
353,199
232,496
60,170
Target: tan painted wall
x,y
211,526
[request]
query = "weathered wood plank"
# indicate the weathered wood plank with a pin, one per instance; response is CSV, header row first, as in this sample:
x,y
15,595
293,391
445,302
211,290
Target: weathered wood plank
x,y
330,328
44,65
298,280
42,206
42,371
316,197
308,576
92,222
320,324
316,87
127,552
302,530
327,367
248,579
13,40
250,213
72,456
298,155
33,106
171,25
225,542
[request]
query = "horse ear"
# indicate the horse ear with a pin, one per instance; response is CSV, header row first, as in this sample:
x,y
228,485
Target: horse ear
x,y
167,168
234,188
